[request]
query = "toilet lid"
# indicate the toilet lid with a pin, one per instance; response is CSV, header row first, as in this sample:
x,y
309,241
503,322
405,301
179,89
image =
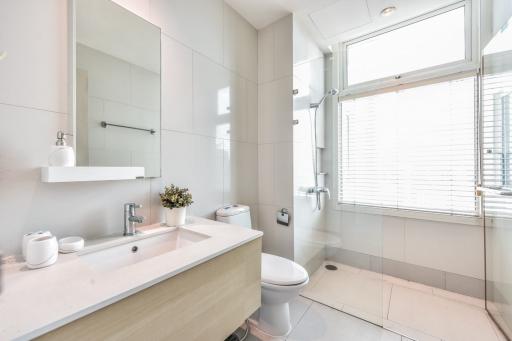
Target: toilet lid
x,y
281,271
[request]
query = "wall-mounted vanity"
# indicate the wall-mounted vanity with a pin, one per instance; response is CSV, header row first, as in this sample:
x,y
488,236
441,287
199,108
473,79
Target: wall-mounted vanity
x,y
116,95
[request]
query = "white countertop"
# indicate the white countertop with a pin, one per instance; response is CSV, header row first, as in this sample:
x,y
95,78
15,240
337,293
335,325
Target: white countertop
x,y
34,302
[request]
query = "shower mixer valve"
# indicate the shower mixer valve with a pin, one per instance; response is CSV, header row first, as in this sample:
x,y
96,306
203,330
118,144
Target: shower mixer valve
x,y
319,190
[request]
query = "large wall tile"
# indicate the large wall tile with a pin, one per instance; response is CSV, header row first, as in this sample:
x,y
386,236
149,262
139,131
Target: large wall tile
x,y
304,47
277,239
276,111
237,113
145,88
266,173
195,162
240,45
108,77
195,23
283,174
283,47
177,86
453,248
265,54
240,173
252,112
358,231
393,238
34,35
212,98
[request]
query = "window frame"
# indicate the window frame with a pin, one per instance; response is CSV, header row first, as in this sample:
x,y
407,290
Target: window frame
x,y
471,61
470,66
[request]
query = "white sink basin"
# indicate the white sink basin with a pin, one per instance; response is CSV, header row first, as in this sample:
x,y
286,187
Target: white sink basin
x,y
145,247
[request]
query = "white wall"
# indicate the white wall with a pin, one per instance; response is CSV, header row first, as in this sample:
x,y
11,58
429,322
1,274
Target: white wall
x,y
206,49
494,14
275,134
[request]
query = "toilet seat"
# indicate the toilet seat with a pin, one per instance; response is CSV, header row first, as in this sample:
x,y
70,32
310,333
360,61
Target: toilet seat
x,y
280,271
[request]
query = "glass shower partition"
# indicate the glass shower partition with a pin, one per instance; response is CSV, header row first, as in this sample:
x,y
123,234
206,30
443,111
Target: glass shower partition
x,y
496,189
340,245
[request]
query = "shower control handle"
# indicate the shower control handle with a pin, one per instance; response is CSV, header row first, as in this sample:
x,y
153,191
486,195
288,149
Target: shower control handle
x,y
319,190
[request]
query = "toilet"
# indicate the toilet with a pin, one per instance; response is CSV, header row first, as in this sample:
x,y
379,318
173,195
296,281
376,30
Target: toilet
x,y
281,279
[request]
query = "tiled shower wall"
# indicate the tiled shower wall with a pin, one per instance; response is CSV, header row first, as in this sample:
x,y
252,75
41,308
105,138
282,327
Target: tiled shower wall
x,y
209,117
275,142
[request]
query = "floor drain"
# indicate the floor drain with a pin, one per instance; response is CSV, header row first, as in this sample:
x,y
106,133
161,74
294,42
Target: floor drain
x,y
331,267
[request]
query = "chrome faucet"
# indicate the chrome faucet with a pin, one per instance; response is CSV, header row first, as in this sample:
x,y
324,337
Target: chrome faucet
x,y
130,219
318,190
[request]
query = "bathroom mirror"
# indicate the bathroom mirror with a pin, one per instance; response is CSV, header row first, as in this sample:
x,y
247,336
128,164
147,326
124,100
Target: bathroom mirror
x,y
117,88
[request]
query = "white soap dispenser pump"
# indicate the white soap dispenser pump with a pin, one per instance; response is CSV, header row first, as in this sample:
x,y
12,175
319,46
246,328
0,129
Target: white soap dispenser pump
x,y
61,154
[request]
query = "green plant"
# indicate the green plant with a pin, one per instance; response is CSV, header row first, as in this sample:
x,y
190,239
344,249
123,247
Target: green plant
x,y
175,197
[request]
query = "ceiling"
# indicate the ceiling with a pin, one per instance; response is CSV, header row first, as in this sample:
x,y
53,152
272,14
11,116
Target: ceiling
x,y
332,21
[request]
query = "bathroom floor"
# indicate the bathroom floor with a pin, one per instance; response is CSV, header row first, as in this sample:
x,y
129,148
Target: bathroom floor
x,y
412,309
312,321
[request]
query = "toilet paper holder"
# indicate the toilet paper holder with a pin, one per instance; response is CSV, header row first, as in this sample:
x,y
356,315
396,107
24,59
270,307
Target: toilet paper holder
x,y
283,217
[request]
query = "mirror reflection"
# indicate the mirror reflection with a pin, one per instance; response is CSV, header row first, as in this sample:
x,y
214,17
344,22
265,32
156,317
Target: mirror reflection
x,y
117,88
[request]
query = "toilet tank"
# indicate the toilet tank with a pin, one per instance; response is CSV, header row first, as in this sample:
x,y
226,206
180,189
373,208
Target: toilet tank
x,y
235,214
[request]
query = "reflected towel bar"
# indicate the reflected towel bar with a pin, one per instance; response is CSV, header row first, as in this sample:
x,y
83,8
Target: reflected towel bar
x,y
106,124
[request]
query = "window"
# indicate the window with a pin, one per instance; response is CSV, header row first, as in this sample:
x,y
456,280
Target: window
x,y
411,149
432,41
497,139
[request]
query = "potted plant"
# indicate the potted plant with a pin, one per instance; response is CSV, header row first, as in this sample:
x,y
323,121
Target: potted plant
x,y
176,200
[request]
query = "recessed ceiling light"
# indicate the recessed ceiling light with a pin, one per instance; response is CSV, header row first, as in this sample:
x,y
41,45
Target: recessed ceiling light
x,y
386,12
3,54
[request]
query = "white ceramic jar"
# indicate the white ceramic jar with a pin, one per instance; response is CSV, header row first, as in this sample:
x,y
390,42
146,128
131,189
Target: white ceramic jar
x,y
175,216
42,252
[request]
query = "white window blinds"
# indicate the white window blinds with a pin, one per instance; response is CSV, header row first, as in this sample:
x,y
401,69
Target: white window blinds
x,y
497,141
411,149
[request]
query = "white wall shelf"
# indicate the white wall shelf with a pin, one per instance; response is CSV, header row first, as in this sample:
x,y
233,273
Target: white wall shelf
x,y
80,174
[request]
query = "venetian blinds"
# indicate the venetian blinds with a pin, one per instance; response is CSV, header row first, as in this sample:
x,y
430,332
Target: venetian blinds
x,y
497,136
412,149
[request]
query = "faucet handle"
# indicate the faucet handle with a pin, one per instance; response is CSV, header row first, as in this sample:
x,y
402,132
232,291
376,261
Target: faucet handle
x,y
131,205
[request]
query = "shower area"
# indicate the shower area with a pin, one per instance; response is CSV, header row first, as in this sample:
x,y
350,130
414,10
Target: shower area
x,y
402,189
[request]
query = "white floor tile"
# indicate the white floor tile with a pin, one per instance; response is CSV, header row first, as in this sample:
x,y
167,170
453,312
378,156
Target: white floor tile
x,y
414,310
298,308
460,298
408,333
321,323
350,289
447,319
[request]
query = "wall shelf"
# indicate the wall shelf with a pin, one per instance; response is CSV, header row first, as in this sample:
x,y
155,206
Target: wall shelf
x,y
80,174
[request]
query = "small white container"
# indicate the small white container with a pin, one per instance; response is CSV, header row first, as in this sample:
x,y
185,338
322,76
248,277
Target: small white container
x,y
29,236
61,154
176,216
71,244
42,252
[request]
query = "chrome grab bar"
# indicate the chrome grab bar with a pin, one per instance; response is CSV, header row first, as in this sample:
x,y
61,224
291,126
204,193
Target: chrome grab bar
x,y
106,124
496,190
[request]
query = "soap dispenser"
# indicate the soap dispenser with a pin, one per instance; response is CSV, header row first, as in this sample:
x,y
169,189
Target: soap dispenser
x,y
61,154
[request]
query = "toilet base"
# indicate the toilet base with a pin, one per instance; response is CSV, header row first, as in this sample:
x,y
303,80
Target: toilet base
x,y
274,319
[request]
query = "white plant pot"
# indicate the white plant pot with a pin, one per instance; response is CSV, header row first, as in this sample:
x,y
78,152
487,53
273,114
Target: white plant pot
x,y
175,216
